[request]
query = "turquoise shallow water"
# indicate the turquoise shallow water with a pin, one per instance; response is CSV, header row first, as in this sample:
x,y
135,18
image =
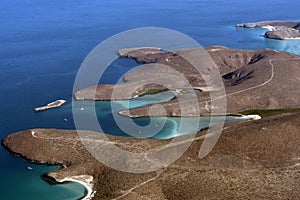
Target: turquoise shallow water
x,y
104,110
43,43
30,184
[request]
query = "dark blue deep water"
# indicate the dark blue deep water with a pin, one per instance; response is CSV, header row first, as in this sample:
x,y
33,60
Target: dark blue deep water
x,y
43,42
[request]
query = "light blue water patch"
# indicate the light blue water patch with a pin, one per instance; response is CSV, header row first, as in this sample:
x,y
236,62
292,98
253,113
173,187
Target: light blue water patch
x,y
22,183
107,111
253,38
115,106
144,100
291,45
191,125
162,127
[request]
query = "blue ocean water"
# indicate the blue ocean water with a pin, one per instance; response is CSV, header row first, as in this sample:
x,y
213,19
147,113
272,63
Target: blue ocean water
x,y
43,42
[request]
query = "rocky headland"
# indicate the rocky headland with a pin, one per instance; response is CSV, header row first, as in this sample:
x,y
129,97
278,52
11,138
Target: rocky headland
x,y
252,159
253,79
279,30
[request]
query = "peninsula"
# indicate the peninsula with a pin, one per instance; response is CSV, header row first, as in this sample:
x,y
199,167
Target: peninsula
x,y
279,30
253,79
257,159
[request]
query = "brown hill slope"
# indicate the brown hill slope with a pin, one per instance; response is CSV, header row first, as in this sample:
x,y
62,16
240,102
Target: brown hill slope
x,y
253,79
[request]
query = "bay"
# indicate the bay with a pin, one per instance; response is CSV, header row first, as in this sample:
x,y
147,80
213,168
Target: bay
x,y
43,42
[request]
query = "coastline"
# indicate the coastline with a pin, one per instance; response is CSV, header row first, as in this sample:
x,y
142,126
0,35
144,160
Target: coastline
x,y
296,38
85,180
278,30
249,117
43,50
270,28
261,159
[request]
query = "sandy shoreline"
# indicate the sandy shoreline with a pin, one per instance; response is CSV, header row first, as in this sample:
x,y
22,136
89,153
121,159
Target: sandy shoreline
x,y
270,28
249,117
296,38
85,180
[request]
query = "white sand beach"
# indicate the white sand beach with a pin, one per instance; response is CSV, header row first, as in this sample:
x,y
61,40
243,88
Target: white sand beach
x,y
85,180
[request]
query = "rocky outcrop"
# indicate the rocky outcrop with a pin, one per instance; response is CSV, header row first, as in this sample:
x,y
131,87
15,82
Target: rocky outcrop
x,y
279,30
257,159
283,33
54,104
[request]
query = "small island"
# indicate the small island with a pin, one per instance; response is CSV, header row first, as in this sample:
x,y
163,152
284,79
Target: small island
x,y
54,104
279,30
